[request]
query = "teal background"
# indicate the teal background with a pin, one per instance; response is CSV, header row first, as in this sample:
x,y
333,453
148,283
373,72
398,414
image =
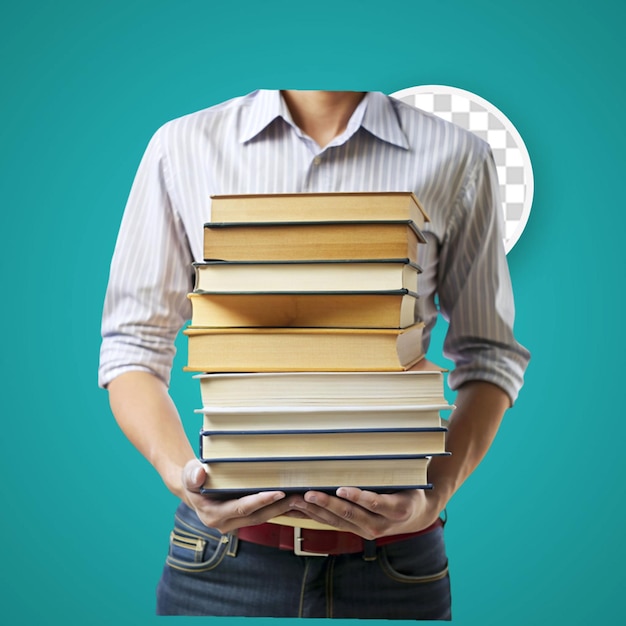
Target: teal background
x,y
535,535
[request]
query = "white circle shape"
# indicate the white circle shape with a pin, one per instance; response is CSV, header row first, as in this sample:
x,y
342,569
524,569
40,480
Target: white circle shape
x,y
515,173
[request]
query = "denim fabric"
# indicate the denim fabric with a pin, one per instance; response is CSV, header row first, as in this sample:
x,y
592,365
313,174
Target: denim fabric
x,y
207,573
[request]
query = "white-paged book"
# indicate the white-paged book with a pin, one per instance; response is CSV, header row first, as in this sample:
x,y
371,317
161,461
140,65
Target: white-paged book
x,y
319,417
322,276
423,384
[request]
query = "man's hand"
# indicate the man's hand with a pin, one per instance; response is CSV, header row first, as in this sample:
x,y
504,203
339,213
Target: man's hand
x,y
472,428
371,515
227,515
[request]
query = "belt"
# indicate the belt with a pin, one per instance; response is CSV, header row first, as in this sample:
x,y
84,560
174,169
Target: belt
x,y
313,542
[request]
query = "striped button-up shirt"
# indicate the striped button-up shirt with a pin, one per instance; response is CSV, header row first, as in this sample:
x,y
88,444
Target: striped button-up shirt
x,y
252,145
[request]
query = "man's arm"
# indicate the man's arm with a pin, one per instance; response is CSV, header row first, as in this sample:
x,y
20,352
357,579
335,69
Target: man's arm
x,y
145,307
472,429
147,416
475,296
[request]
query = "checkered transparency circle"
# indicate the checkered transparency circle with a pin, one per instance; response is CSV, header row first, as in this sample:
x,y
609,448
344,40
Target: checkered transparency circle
x,y
479,116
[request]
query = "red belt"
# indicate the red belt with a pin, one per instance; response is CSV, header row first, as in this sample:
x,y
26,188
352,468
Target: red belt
x,y
314,542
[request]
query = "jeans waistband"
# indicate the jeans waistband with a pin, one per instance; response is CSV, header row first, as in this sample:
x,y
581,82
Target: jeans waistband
x,y
307,541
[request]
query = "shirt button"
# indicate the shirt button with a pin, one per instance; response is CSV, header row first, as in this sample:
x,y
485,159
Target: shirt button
x,y
317,160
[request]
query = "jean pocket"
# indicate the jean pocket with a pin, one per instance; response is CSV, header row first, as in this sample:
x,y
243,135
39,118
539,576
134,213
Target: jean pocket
x,y
419,560
194,551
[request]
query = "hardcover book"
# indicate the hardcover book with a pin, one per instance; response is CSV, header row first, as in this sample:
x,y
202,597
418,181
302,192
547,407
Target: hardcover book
x,y
382,309
315,417
420,386
320,276
289,207
302,349
304,473
221,444
304,241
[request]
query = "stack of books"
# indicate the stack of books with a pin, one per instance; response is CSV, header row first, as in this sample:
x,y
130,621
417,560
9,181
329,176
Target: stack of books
x,y
304,327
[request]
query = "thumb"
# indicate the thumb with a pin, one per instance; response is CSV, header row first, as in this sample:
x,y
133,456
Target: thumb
x,y
194,475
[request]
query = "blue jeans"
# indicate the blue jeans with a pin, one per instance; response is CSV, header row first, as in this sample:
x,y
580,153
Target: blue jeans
x,y
207,573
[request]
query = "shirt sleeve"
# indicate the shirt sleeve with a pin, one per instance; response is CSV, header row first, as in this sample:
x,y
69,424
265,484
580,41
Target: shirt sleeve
x,y
475,293
150,276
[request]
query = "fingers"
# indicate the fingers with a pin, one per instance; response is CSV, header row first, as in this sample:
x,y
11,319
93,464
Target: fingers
x,y
227,515
365,513
194,476
395,506
344,514
247,511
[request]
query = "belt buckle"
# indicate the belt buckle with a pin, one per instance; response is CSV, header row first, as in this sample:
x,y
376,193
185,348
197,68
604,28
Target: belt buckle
x,y
297,544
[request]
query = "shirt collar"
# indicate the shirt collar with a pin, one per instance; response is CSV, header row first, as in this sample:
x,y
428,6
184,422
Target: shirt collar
x,y
375,114
381,120
265,106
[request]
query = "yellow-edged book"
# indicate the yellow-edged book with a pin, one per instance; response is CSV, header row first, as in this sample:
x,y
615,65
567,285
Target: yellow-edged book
x,y
305,241
289,207
302,349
